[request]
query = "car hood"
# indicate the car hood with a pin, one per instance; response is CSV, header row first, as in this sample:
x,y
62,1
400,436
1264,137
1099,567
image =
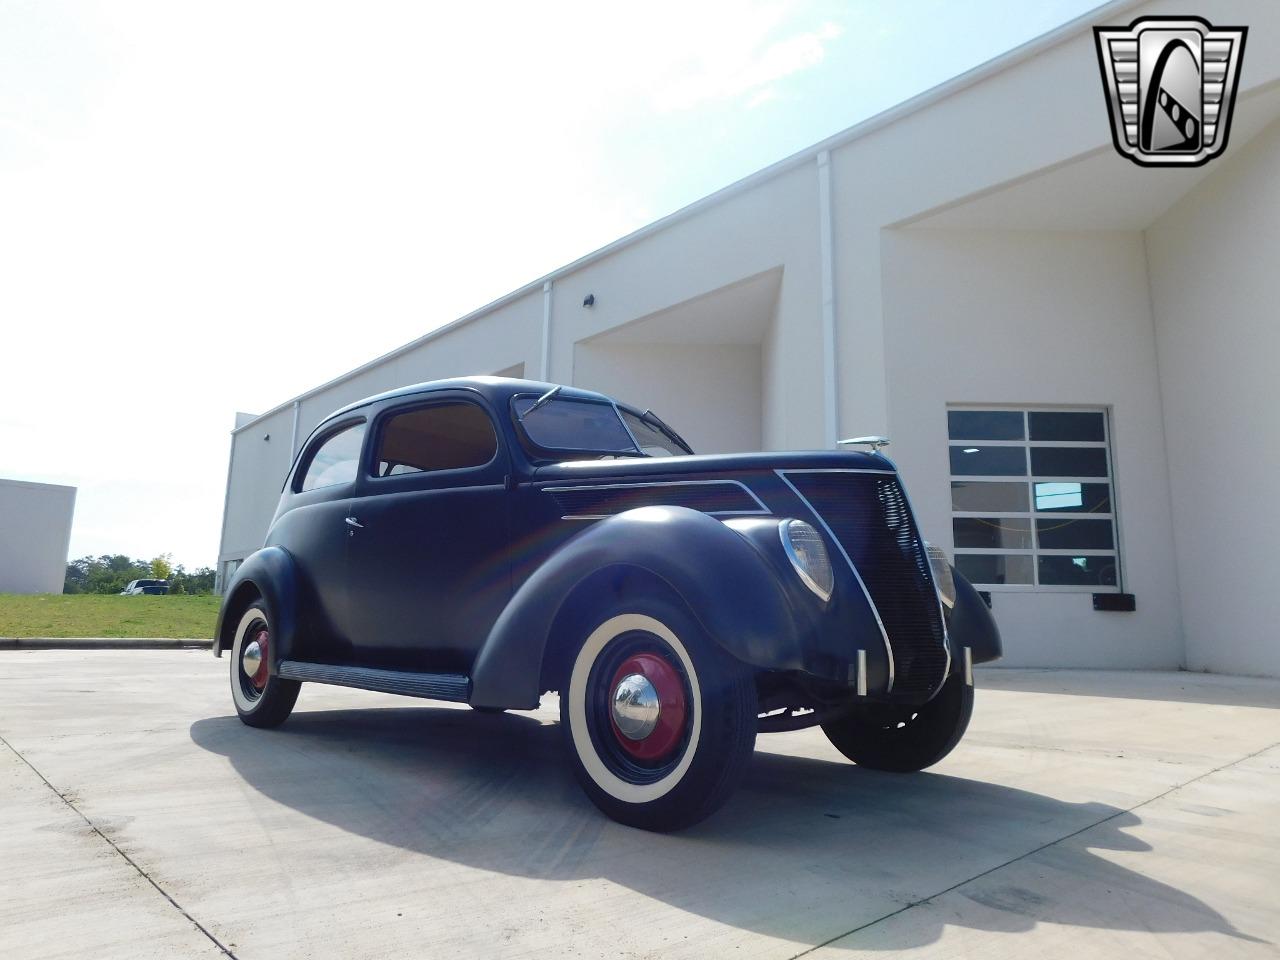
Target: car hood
x,y
703,464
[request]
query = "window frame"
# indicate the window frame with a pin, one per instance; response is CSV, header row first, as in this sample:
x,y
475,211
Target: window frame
x,y
559,454
1031,514
314,445
369,460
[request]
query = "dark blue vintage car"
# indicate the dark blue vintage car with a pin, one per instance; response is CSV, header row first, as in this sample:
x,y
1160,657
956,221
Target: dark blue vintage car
x,y
486,540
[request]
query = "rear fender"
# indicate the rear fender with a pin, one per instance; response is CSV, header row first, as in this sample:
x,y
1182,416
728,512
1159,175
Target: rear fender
x,y
271,574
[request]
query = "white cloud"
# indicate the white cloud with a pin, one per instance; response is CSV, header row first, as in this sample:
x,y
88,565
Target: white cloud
x,y
748,67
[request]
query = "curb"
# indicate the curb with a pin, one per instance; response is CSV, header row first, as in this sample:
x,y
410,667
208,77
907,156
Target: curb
x,y
103,643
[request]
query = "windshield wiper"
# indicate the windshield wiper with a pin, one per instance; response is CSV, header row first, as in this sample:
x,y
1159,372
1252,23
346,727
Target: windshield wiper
x,y
542,401
657,421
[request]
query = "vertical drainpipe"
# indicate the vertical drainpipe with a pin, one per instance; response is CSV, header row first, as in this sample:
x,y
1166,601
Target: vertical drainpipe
x,y
546,330
830,394
293,437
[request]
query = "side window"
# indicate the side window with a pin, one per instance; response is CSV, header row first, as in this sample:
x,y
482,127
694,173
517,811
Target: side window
x,y
335,460
443,436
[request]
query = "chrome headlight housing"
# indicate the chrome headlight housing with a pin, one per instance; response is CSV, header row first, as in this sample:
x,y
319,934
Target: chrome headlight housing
x,y
808,555
942,577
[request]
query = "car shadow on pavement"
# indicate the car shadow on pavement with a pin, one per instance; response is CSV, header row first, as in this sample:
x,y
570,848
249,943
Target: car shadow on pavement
x,y
808,849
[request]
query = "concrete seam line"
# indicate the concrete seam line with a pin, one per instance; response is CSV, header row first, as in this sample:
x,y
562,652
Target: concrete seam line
x,y
127,859
1022,856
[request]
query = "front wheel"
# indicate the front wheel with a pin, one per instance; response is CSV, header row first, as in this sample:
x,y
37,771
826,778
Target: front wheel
x,y
660,722
904,740
261,699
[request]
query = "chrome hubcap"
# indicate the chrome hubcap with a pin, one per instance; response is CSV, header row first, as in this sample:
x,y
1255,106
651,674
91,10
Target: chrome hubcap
x,y
251,659
635,707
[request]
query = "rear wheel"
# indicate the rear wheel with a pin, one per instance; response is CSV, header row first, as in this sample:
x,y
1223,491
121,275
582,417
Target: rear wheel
x,y
903,740
261,699
660,722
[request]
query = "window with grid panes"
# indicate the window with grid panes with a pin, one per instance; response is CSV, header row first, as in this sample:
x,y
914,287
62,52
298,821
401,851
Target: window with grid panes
x,y
1032,499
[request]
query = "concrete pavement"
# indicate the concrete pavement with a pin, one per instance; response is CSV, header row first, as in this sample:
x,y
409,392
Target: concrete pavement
x,y
1086,814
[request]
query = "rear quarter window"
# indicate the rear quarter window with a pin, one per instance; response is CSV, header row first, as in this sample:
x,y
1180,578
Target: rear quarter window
x,y
333,460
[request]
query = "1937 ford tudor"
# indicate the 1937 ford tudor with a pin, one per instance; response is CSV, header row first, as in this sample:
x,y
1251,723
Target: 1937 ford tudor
x,y
486,540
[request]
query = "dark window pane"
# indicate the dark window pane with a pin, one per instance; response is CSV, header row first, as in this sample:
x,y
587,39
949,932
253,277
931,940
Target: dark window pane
x,y
1073,497
1078,571
564,424
334,460
985,424
988,569
1067,426
1065,461
1066,534
1006,533
989,461
653,441
970,495
444,436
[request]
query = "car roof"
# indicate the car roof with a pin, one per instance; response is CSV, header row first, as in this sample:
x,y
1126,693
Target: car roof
x,y
497,390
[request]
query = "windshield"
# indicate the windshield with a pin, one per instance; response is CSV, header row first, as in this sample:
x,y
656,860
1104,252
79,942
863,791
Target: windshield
x,y
563,424
653,440
592,426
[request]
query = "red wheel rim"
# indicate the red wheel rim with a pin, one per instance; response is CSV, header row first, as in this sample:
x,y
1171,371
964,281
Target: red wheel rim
x,y
673,709
259,678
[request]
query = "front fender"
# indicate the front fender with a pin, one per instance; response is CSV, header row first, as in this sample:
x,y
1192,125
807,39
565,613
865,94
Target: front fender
x,y
724,581
271,574
970,624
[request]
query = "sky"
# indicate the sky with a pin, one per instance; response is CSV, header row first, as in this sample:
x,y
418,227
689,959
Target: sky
x,y
210,208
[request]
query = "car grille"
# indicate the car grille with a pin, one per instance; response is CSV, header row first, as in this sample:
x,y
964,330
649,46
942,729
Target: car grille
x,y
868,514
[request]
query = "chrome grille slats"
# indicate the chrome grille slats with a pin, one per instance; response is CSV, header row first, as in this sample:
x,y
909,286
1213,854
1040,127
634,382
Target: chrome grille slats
x,y
869,515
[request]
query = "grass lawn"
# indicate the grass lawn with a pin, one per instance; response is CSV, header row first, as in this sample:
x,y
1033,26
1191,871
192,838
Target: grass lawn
x,y
101,615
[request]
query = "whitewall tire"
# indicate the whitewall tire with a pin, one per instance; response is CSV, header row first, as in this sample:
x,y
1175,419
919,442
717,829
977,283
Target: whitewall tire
x,y
261,699
660,722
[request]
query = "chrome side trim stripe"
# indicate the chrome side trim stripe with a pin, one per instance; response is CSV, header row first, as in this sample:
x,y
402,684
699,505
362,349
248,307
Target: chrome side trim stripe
x,y
862,672
884,634
968,666
761,508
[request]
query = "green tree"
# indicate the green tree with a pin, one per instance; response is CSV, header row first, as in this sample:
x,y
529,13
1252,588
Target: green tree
x,y
162,566
199,580
109,573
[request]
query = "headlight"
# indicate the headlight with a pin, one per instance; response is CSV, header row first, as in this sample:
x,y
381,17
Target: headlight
x,y
808,554
942,578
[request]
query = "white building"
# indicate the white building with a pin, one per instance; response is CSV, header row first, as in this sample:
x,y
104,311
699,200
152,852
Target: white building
x,y
980,247
35,532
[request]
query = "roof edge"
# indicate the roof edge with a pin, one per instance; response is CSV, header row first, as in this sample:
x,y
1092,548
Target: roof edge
x,y
925,98
37,485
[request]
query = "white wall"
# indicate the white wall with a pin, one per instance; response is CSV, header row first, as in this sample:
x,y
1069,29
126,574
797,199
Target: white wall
x,y
260,458
1037,318
710,393
35,530
1215,282
772,226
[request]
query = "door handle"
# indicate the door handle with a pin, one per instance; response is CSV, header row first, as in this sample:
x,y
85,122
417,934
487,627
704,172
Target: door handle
x,y
353,522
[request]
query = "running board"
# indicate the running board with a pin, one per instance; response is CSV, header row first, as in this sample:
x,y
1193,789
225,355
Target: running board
x,y
431,686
